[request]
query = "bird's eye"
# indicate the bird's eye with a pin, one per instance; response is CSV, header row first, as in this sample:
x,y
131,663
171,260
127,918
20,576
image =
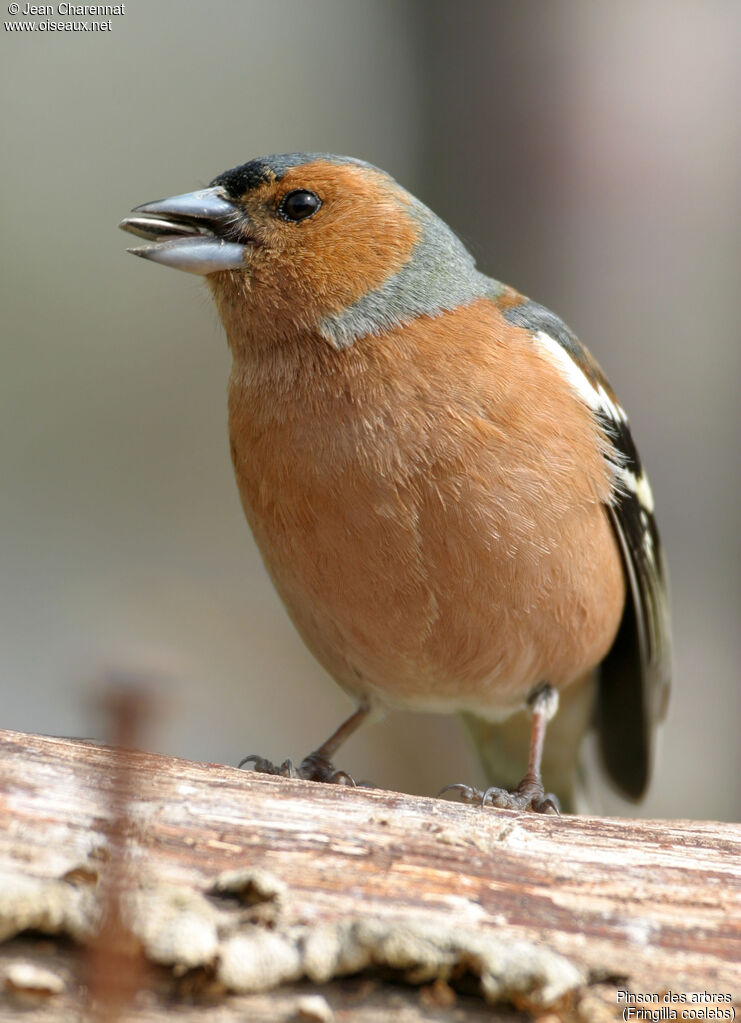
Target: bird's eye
x,y
299,204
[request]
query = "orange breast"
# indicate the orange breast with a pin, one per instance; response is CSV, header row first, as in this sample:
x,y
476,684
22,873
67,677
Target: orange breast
x,y
429,504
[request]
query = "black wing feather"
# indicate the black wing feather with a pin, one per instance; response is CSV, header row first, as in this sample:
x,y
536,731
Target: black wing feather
x,y
634,677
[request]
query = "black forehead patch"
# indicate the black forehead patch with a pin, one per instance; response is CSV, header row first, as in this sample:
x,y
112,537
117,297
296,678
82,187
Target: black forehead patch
x,y
257,172
241,179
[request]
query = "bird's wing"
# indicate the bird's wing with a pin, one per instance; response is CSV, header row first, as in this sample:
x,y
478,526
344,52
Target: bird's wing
x,y
635,674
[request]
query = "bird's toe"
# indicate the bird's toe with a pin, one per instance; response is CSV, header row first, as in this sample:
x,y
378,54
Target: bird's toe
x,y
315,767
528,795
263,766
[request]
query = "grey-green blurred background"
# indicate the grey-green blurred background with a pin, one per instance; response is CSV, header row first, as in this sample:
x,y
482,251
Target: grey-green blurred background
x,y
588,152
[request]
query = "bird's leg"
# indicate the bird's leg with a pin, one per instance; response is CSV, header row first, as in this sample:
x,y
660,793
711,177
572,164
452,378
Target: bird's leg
x,y
529,794
317,766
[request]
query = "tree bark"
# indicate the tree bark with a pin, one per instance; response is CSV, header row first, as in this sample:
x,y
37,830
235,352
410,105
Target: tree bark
x,y
170,886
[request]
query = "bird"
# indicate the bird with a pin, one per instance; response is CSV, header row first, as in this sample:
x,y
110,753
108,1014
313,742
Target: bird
x,y
442,484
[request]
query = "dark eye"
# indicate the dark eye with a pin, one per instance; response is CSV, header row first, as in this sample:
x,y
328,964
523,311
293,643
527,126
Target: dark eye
x,y
299,204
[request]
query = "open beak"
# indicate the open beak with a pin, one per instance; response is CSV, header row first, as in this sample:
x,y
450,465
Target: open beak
x,y
197,232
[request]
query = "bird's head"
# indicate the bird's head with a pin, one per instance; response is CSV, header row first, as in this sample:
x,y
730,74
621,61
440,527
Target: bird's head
x,y
322,242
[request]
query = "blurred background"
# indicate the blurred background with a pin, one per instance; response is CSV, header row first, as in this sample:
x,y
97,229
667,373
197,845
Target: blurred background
x,y
589,153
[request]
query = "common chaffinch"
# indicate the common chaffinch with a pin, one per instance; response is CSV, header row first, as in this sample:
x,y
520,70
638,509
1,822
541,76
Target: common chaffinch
x,y
441,481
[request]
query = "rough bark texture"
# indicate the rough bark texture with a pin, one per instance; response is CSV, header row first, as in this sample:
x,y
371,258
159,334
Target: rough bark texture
x,y
196,891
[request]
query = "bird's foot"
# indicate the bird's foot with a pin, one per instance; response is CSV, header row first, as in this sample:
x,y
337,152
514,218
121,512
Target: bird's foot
x,y
314,767
529,795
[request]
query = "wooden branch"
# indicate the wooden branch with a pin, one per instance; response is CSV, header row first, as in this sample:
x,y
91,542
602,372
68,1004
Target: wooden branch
x,y
205,882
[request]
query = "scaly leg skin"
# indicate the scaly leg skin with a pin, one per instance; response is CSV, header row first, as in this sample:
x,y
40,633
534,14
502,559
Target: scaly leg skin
x,y
529,794
317,766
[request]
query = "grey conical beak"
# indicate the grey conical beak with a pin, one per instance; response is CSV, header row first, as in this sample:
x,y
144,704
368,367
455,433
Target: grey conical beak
x,y
195,232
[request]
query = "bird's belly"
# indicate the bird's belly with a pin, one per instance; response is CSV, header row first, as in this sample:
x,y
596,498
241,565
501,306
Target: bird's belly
x,y
411,601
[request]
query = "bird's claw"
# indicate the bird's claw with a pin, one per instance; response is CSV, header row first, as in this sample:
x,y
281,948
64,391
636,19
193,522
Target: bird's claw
x,y
528,795
263,766
314,767
467,792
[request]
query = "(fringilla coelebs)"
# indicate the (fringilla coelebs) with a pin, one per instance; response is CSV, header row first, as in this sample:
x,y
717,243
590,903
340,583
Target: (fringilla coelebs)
x,y
441,481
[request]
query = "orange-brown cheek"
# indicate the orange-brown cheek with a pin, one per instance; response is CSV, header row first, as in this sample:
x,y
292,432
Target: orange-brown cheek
x,y
355,252
361,236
